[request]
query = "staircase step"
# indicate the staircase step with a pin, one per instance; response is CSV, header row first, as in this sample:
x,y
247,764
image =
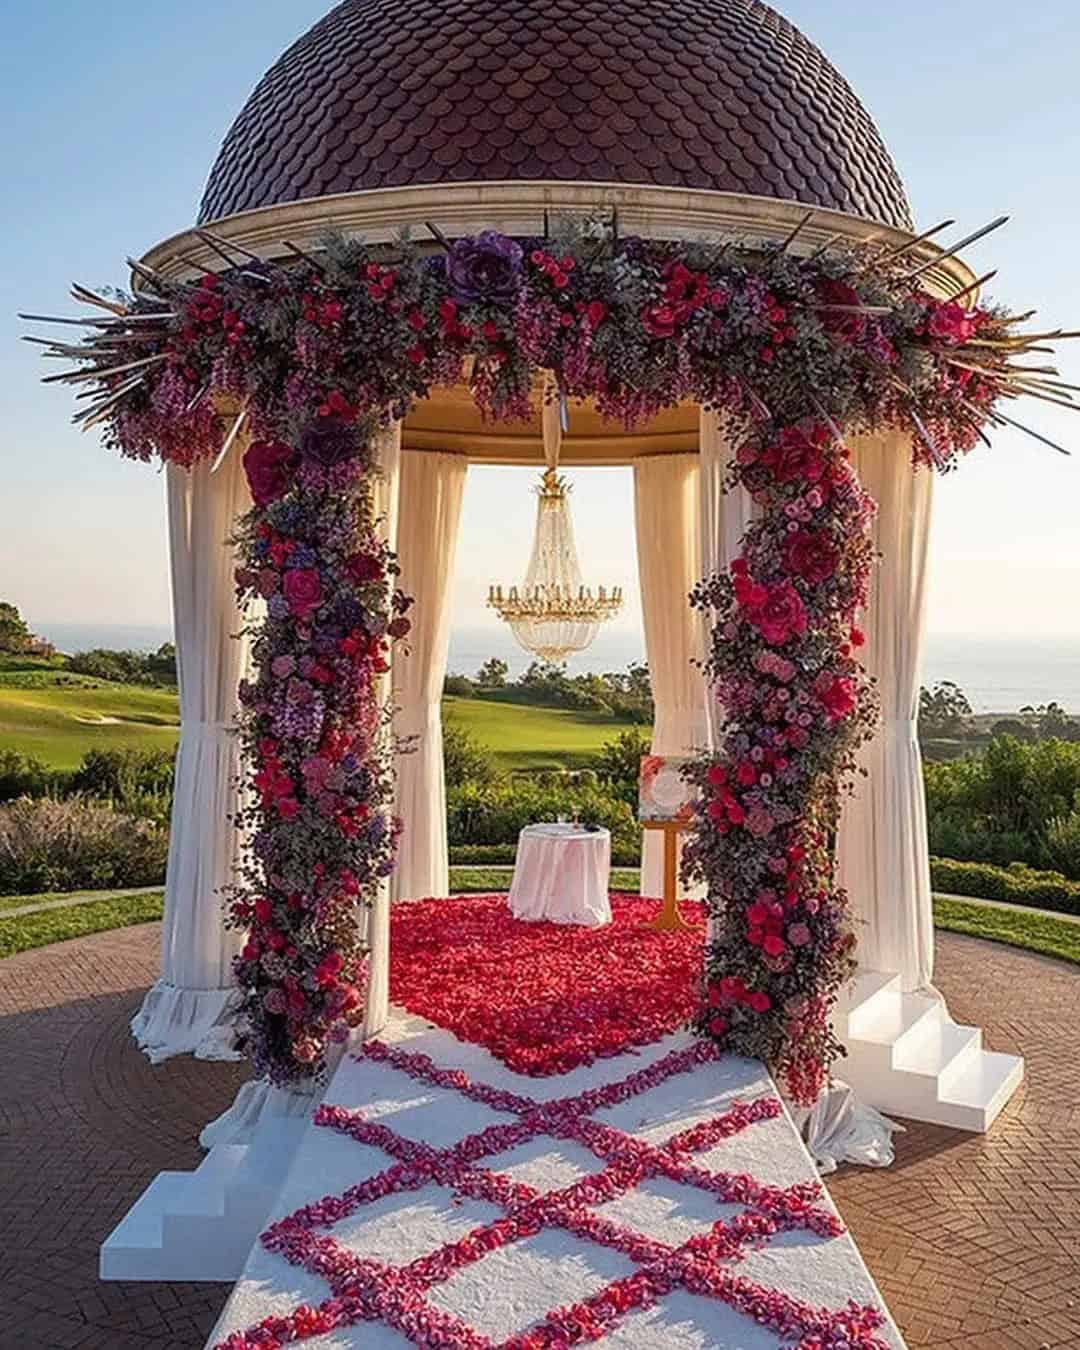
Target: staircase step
x,y
939,1049
892,1017
856,997
977,1094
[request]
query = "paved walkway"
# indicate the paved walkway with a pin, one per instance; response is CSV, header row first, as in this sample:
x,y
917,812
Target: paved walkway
x,y
975,1241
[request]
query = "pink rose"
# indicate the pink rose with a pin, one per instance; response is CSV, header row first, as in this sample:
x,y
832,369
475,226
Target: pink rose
x,y
303,590
799,935
267,465
836,694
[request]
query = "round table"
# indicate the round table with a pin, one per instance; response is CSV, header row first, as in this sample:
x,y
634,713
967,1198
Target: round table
x,y
561,874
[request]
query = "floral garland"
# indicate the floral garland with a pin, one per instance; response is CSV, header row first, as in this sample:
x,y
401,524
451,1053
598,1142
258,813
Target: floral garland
x,y
319,788
787,347
797,705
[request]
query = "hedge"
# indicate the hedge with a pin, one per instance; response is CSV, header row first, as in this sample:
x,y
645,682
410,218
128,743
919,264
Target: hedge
x,y
1016,884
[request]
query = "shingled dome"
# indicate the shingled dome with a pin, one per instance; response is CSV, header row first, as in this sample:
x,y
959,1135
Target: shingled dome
x,y
714,94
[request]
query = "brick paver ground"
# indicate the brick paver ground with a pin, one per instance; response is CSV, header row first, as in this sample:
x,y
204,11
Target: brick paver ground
x,y
975,1241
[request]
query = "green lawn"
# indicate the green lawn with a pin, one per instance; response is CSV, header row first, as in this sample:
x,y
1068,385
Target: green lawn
x,y
524,737
58,723
57,925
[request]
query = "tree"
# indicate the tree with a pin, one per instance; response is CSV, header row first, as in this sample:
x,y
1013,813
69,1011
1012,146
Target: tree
x,y
619,764
492,674
14,634
1051,720
944,713
465,760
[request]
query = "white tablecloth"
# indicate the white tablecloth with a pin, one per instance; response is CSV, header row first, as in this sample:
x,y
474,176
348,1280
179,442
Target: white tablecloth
x,y
561,874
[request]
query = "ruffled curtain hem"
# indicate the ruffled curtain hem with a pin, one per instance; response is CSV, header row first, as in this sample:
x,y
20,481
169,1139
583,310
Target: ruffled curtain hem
x,y
176,1021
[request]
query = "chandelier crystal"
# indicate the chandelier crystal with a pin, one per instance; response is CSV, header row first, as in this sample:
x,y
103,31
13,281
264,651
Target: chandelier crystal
x,y
553,614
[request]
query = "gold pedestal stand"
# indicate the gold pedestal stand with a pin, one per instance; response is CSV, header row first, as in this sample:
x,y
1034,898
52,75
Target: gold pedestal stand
x,y
669,920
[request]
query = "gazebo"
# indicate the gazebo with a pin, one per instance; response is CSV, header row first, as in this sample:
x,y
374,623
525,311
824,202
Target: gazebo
x,y
681,215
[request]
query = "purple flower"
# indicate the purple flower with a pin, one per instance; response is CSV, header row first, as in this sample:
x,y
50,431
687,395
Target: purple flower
x,y
484,267
329,441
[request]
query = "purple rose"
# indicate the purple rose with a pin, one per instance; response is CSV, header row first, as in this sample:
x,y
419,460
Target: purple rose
x,y
329,441
267,465
484,267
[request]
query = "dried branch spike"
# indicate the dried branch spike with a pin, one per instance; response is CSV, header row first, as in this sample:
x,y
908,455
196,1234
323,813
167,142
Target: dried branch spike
x,y
794,234
919,239
951,252
438,235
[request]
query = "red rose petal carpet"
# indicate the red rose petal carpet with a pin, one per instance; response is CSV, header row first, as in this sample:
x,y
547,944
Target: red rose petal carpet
x,y
544,997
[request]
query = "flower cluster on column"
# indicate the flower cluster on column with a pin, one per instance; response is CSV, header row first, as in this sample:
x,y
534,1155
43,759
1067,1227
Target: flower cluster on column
x,y
796,705
319,785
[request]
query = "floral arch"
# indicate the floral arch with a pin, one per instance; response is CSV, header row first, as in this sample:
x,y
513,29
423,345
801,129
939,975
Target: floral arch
x,y
313,355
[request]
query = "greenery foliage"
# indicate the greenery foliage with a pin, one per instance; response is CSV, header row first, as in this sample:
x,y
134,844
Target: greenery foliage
x,y
49,845
1015,885
496,813
127,667
624,696
1017,802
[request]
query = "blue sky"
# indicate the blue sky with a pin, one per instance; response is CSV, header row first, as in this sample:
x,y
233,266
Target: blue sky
x,y
113,114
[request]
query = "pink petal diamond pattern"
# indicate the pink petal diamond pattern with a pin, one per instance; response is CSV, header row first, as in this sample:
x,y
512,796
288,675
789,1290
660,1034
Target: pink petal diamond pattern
x,y
407,1297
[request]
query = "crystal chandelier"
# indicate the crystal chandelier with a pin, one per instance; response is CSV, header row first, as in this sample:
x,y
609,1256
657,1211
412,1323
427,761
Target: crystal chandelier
x,y
553,614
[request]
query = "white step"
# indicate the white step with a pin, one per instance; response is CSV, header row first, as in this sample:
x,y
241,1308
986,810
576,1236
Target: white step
x,y
907,1057
201,1225
976,1097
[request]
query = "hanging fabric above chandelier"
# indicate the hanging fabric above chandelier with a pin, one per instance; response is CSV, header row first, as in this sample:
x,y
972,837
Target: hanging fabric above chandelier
x,y
554,614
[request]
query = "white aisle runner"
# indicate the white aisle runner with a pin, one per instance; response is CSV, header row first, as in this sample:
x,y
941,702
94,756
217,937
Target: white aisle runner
x,y
705,1132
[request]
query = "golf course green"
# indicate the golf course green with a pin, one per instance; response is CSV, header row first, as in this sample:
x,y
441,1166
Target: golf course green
x,y
58,723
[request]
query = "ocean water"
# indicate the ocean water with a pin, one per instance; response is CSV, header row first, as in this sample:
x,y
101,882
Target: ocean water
x,y
997,674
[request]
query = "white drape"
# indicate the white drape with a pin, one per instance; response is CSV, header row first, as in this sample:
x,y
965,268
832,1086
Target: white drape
x,y
387,497
191,1007
432,487
724,518
883,857
667,503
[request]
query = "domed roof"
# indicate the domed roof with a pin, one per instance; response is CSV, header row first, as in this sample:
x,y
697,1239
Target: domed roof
x,y
714,94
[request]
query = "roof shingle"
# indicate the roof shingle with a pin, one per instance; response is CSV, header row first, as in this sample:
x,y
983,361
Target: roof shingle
x,y
714,94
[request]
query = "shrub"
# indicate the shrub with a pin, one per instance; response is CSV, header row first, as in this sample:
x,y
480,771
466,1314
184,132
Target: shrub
x,y
139,782
496,814
23,776
1063,843
998,807
465,760
73,845
619,765
1018,884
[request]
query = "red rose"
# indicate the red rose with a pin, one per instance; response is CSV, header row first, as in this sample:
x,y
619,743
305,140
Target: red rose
x,y
836,694
302,588
843,324
810,555
952,323
760,1001
658,320
797,454
267,465
781,616
365,567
